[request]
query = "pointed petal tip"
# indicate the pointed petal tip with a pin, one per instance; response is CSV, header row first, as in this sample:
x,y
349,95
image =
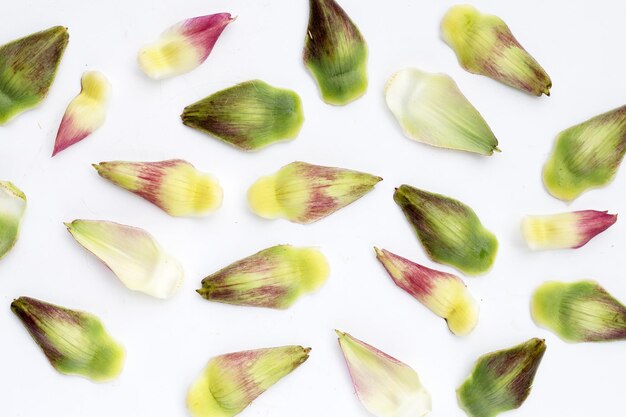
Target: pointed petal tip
x,y
275,277
546,91
59,145
312,192
335,54
15,304
278,115
431,109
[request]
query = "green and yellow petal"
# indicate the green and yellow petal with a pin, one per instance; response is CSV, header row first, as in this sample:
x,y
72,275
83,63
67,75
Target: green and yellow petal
x,y
304,193
175,185
274,278
230,382
579,311
28,67
484,45
587,155
248,116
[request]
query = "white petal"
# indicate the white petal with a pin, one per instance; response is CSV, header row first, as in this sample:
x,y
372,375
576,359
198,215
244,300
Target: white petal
x,y
132,254
385,386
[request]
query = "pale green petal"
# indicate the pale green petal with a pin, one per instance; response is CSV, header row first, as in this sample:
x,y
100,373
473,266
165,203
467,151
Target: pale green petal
x,y
12,207
431,109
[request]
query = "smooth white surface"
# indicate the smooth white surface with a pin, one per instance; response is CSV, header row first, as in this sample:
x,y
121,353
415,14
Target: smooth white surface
x,y
579,43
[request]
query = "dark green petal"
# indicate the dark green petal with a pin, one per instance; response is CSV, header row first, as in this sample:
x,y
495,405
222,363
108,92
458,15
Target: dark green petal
x,y
450,231
335,53
249,116
74,342
27,70
501,380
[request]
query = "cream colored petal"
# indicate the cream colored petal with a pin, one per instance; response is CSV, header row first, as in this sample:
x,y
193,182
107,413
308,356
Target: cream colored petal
x,y
385,386
132,254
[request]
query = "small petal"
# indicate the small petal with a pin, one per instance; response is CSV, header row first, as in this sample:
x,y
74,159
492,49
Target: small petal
x,y
28,67
444,294
183,47
565,230
175,186
501,380
580,311
74,342
335,53
230,382
485,45
85,113
274,277
450,231
431,109
305,193
248,116
587,155
132,254
385,386
12,208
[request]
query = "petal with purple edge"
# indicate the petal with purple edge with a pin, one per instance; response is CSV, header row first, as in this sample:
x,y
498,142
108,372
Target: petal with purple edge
x,y
501,380
230,382
587,155
183,47
85,113
304,193
565,230
28,68
335,53
581,311
74,342
275,277
485,45
175,185
444,294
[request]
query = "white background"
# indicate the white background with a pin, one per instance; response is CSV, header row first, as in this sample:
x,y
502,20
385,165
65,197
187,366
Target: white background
x,y
580,44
